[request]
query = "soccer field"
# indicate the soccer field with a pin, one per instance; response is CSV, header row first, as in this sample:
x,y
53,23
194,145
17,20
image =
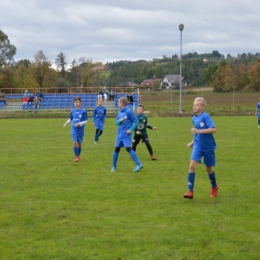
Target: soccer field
x,y
53,208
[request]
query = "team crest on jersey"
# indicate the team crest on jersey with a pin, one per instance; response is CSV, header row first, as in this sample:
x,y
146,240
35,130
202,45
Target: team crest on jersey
x,y
80,115
202,124
143,120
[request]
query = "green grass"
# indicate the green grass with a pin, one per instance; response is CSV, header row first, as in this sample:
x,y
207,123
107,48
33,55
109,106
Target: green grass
x,y
53,208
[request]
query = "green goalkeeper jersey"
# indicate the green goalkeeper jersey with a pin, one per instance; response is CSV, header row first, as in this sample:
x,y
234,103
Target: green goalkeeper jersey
x,y
142,124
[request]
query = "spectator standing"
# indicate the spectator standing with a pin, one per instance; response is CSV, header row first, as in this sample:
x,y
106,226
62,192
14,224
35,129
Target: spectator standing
x,y
100,94
111,95
130,99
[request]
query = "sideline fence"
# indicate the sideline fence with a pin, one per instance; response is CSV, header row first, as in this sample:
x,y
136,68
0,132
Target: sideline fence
x,y
169,100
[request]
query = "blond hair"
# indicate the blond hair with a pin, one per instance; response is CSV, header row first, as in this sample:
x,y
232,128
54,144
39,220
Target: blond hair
x,y
201,100
123,101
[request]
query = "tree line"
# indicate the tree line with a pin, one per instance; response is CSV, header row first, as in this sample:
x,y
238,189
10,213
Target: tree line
x,y
240,73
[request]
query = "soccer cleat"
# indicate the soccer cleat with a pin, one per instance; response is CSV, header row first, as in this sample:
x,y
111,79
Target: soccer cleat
x,y
153,157
258,126
214,192
95,142
77,159
188,195
138,168
113,169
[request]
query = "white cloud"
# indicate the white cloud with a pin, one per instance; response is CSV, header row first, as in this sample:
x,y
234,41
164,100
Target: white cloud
x,y
116,29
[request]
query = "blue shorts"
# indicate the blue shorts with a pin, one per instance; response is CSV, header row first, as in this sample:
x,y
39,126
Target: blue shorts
x,y
124,142
77,138
209,157
99,125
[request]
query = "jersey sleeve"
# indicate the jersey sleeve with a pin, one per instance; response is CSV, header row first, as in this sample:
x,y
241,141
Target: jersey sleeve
x,y
209,122
84,116
105,114
147,124
71,116
93,115
132,117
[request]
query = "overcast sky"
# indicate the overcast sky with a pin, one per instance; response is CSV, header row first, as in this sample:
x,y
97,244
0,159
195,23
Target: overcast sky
x,y
107,30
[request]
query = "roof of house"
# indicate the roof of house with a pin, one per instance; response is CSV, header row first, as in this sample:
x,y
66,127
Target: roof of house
x,y
148,82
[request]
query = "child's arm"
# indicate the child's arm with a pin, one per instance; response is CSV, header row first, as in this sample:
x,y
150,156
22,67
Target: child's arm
x,y
191,143
133,127
149,126
81,123
203,131
93,116
67,122
105,115
84,118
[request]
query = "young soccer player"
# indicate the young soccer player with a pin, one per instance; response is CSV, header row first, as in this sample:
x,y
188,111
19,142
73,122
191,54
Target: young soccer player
x,y
140,131
78,119
257,112
99,118
126,122
203,146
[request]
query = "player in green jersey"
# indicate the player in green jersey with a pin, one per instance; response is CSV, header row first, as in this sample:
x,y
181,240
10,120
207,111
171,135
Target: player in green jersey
x,y
140,131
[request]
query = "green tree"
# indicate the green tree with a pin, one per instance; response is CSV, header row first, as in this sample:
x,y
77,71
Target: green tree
x,y
61,64
7,50
42,71
7,77
24,77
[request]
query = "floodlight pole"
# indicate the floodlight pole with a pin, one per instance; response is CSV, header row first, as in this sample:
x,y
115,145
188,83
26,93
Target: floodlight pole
x,y
181,27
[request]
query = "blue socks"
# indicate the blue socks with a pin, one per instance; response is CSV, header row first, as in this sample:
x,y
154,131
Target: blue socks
x,y
258,122
191,180
96,137
79,150
115,157
134,157
212,178
76,151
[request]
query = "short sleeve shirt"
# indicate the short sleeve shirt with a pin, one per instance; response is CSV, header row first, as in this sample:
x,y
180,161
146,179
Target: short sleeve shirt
x,y
203,142
130,118
77,116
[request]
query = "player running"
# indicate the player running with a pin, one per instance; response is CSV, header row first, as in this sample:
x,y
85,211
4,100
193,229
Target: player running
x,y
99,118
126,122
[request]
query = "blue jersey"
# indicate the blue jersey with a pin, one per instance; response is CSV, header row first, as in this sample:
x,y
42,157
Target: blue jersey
x,y
77,116
130,119
99,114
258,107
203,142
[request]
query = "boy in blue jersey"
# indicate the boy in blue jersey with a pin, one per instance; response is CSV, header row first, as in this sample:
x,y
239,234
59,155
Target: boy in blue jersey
x,y
257,112
126,122
99,118
203,146
78,119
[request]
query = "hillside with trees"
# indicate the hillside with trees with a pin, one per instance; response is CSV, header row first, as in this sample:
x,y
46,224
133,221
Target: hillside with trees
x,y
225,74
